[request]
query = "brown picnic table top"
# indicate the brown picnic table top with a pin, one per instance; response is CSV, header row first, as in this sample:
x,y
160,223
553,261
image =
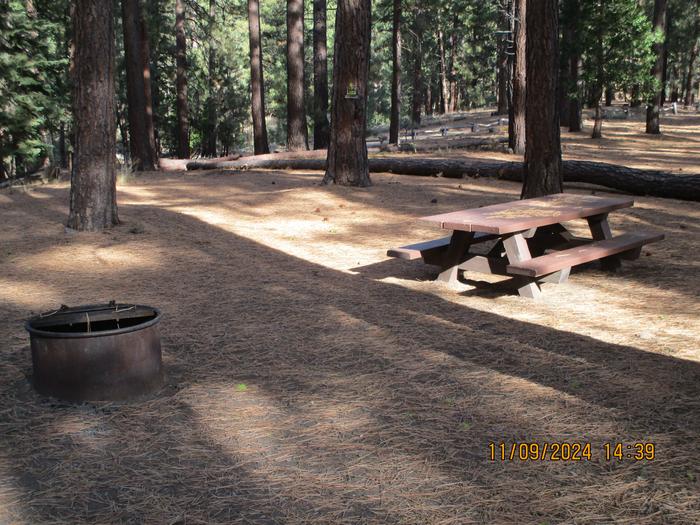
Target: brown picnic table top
x,y
510,217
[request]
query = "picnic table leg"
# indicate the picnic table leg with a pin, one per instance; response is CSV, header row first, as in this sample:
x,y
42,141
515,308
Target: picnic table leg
x,y
459,245
517,251
600,230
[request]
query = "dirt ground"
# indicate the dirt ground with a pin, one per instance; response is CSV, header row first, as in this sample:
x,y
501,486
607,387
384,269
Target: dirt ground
x,y
310,379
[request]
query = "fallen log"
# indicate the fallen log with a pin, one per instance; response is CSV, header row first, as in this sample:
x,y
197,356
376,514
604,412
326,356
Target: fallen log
x,y
630,180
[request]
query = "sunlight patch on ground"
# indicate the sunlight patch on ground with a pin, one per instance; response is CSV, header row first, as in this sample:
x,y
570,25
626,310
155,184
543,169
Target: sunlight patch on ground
x,y
77,259
27,294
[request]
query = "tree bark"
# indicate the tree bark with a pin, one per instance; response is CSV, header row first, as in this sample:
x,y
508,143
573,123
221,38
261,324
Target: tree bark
x,y
664,68
543,173
347,153
444,93
689,76
417,95
631,180
93,193
209,138
321,124
154,18
395,120
452,105
257,83
182,108
693,56
148,90
516,121
141,140
575,118
503,69
609,96
654,107
63,159
297,136
597,132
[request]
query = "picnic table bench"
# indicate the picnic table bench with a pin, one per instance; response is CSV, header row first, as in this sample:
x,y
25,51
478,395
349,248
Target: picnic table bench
x,y
532,245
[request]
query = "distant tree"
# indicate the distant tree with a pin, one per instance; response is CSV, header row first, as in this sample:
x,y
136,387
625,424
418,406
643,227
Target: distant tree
x,y
33,83
543,173
417,94
141,129
571,53
654,106
692,56
182,108
504,70
257,84
93,194
395,114
347,153
210,126
516,121
616,40
321,124
297,135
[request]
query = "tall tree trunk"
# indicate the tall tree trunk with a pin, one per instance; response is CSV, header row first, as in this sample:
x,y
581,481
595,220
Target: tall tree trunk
x,y
657,71
321,124
564,71
417,95
140,130
93,192
209,139
664,69
693,55
609,96
674,83
148,90
444,93
181,106
689,76
395,120
597,87
63,160
503,70
257,84
347,152
575,120
543,173
452,78
297,137
597,122
516,122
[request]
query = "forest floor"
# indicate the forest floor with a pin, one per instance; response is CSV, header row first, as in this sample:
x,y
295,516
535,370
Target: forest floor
x,y
624,141
312,380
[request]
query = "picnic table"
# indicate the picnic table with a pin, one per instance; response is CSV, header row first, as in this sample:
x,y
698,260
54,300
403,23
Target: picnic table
x,y
531,244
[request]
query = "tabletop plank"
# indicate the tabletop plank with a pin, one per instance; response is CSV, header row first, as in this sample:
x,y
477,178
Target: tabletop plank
x,y
509,217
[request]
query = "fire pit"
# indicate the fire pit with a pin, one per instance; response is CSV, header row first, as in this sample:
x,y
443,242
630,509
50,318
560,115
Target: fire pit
x,y
96,352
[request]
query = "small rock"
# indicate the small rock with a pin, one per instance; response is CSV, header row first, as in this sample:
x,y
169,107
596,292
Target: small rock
x,y
434,201
273,182
325,219
317,210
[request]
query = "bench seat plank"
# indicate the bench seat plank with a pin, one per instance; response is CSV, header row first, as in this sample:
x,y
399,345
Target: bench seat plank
x,y
416,251
556,261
